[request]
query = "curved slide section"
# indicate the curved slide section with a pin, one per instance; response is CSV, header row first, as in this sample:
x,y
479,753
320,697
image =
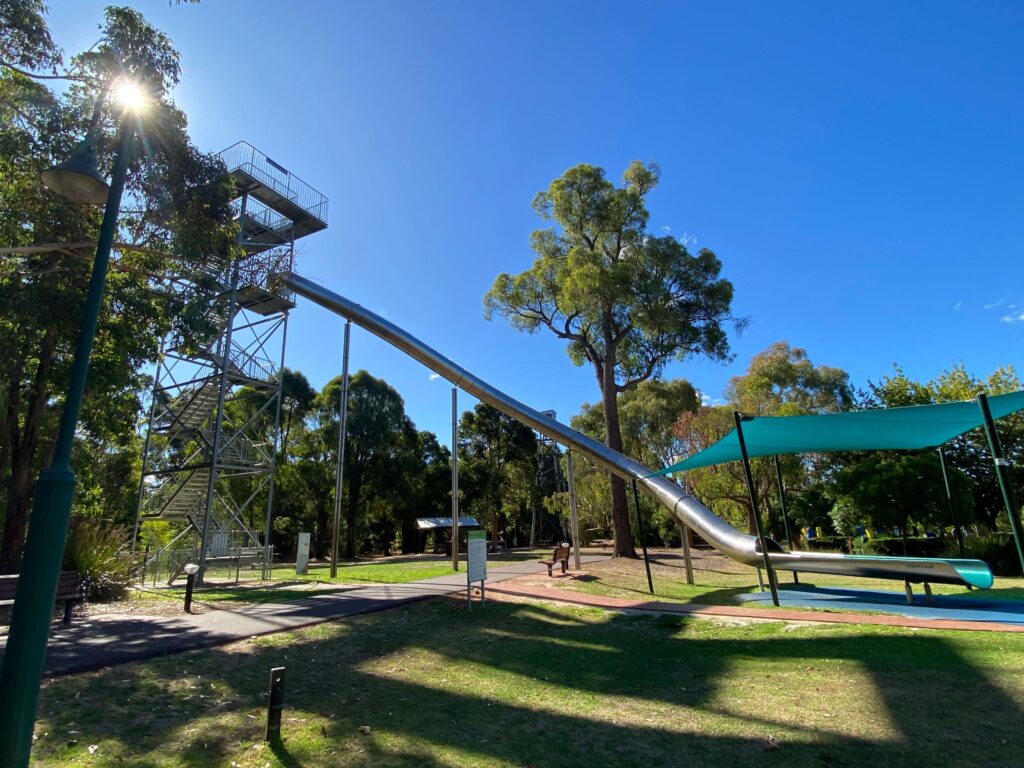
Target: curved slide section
x,y
722,536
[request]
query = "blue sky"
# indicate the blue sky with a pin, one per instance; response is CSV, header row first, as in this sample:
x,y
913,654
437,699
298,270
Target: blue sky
x,y
858,169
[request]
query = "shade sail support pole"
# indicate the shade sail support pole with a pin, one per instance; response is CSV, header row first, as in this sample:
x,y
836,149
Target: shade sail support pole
x,y
643,537
958,531
752,492
785,512
1002,475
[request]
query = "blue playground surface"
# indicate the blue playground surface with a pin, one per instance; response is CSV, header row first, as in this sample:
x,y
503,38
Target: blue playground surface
x,y
949,607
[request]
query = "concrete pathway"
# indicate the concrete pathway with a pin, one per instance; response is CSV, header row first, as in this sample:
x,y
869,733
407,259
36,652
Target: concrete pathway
x,y
108,639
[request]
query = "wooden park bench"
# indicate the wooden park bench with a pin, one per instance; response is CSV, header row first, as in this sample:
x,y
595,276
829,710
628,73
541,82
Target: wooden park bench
x,y
603,543
560,555
69,589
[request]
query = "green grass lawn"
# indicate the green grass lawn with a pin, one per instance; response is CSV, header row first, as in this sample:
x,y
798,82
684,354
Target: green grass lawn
x,y
719,581
397,570
383,572
525,683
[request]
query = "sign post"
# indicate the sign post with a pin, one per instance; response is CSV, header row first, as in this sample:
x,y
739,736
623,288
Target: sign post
x,y
476,564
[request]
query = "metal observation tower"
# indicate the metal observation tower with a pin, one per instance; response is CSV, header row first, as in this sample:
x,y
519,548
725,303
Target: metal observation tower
x,y
211,441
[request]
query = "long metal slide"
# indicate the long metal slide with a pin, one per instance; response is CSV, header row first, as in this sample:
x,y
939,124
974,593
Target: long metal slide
x,y
686,509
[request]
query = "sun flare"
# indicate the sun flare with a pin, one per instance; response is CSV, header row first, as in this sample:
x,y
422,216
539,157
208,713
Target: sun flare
x,y
130,95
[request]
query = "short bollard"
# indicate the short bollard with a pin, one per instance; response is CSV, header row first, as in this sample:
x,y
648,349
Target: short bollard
x,y
191,569
275,706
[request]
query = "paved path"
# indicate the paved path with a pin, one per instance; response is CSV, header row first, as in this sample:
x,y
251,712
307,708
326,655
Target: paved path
x,y
515,589
105,640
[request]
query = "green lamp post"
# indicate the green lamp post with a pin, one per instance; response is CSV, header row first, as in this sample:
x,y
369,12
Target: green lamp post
x,y
79,180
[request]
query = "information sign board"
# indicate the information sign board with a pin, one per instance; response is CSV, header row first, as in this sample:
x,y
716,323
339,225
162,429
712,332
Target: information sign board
x,y
302,554
476,562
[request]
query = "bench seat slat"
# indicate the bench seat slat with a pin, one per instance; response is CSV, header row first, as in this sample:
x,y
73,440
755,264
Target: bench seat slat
x,y
68,587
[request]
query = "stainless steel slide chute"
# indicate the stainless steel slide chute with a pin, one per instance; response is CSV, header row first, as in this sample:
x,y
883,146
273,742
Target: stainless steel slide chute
x,y
719,534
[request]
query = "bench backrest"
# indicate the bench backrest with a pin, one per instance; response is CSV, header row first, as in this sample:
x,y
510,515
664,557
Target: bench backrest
x,y
561,552
67,585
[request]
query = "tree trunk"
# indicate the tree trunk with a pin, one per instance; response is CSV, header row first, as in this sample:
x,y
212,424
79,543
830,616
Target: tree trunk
x,y
15,521
354,489
620,506
23,451
322,540
411,539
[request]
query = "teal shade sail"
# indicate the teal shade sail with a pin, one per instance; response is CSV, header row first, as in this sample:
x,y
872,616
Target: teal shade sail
x,y
916,426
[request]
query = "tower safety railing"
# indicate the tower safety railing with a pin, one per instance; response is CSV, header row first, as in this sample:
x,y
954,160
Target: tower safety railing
x,y
245,157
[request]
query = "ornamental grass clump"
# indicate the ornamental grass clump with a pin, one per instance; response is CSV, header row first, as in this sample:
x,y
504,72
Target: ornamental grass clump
x,y
95,550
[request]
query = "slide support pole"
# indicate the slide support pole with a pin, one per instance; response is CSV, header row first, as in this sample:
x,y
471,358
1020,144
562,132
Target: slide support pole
x,y
455,478
342,429
574,520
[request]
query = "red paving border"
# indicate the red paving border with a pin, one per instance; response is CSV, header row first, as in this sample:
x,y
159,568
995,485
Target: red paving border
x,y
618,604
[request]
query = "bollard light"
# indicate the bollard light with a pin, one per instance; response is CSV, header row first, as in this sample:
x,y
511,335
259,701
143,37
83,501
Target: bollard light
x,y
191,569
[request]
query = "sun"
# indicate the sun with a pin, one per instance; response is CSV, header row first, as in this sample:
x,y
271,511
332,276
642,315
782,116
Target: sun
x,y
130,95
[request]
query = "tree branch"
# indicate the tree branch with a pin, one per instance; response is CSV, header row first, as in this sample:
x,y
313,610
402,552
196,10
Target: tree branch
x,y
652,363
36,76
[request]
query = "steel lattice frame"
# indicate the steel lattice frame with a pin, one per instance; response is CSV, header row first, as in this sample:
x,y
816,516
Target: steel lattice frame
x,y
213,428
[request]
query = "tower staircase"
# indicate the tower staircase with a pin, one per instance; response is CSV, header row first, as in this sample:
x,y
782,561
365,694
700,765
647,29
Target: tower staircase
x,y
211,441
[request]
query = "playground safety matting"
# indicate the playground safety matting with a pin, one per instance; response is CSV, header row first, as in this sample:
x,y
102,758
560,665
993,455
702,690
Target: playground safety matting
x,y
759,607
948,607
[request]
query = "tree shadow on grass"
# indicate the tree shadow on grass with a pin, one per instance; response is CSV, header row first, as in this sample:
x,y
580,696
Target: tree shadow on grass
x,y
719,596
517,683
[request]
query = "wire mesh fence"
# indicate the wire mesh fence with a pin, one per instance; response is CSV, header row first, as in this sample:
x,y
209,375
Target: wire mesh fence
x,y
224,565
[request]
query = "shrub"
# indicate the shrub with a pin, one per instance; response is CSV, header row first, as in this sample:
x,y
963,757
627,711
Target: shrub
x,y
996,549
93,549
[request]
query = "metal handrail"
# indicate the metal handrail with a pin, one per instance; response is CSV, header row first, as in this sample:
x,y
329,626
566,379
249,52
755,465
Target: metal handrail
x,y
245,157
251,366
263,215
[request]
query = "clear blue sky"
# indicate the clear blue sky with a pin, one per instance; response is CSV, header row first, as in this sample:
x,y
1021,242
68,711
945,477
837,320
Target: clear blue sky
x,y
859,170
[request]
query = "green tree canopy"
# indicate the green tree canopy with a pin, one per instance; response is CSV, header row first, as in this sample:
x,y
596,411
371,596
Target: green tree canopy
x,y
780,381
968,453
177,219
648,414
498,461
625,301
893,490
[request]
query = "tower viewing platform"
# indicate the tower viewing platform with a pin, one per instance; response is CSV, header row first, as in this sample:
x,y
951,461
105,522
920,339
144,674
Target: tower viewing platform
x,y
302,210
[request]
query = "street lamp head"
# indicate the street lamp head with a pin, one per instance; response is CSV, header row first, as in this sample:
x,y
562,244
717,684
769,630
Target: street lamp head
x,y
78,178
191,569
